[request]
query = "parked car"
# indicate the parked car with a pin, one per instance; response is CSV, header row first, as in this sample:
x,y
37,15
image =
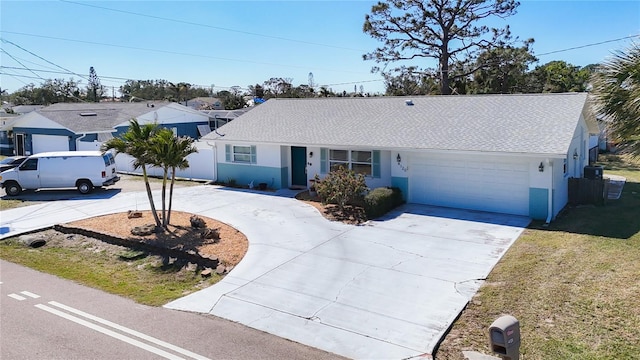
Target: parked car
x,y
83,170
11,162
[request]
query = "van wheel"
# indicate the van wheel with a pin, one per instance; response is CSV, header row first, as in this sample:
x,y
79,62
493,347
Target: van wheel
x,y
84,186
12,188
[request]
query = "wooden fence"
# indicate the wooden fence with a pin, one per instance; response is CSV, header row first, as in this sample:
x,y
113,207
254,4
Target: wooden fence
x,y
584,191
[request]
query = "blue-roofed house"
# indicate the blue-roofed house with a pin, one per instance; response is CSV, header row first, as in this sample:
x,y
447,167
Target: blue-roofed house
x,y
84,126
500,153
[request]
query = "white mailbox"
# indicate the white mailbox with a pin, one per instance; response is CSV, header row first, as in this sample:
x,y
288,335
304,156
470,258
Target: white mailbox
x,y
504,337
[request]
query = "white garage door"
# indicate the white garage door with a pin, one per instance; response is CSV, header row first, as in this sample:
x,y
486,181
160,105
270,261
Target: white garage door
x,y
44,143
487,184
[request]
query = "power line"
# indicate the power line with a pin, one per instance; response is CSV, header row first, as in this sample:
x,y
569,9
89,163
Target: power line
x,y
172,52
211,26
39,57
588,45
16,60
127,79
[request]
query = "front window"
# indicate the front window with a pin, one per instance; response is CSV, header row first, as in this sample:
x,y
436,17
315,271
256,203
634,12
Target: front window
x,y
358,161
242,154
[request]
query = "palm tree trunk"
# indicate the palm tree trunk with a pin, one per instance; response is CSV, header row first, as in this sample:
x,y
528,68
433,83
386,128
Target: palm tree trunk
x,y
173,180
165,222
150,196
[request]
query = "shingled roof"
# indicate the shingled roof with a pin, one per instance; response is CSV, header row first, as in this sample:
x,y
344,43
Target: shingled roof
x,y
95,117
523,123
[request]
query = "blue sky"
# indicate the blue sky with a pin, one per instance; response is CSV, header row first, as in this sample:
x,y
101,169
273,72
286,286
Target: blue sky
x,y
239,43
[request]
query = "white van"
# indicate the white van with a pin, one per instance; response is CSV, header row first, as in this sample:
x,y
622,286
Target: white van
x,y
83,170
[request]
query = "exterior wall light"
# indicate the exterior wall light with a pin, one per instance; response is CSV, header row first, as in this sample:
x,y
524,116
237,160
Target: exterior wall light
x,y
541,167
575,155
398,158
310,154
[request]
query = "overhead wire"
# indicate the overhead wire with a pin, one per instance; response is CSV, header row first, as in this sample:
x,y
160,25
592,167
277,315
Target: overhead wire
x,y
209,26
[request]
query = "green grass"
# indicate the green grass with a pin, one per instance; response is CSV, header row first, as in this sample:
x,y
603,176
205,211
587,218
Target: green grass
x,y
145,279
574,286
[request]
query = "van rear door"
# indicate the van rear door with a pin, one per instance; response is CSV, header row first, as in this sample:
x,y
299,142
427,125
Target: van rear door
x,y
110,165
29,175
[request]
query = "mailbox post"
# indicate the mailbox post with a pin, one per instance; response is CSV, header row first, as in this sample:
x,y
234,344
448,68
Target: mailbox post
x,y
504,337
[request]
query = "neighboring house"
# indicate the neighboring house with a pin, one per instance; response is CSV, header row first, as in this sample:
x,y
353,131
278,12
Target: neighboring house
x,y
182,120
6,136
25,109
218,118
205,103
500,153
84,126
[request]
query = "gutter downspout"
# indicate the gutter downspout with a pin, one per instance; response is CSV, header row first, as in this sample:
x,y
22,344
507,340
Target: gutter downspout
x,y
550,195
215,161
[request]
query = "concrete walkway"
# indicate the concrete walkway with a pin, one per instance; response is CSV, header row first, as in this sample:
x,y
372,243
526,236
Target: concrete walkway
x,y
385,290
616,184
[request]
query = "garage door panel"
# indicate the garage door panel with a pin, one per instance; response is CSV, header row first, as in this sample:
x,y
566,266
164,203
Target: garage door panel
x,y
456,181
44,143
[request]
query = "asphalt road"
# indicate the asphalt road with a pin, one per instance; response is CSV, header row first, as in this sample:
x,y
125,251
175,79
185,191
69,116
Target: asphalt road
x,y
45,317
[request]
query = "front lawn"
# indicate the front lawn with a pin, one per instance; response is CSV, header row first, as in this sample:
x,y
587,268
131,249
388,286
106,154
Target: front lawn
x,y
574,286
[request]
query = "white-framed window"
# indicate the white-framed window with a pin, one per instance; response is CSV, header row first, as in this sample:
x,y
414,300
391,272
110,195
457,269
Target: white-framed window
x,y
360,161
241,153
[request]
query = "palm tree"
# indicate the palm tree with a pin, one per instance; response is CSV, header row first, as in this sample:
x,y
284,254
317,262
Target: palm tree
x,y
616,88
136,143
182,147
169,152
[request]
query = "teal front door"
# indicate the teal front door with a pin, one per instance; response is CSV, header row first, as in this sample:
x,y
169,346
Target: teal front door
x,y
299,166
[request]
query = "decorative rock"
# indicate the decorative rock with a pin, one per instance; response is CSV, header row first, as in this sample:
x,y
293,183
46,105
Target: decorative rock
x,y
134,214
144,230
211,234
206,272
210,257
197,222
192,267
220,269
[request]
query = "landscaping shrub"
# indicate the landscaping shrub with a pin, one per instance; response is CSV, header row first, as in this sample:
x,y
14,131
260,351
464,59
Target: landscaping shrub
x,y
380,201
340,186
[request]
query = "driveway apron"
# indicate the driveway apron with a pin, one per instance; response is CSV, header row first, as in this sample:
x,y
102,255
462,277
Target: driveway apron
x,y
388,289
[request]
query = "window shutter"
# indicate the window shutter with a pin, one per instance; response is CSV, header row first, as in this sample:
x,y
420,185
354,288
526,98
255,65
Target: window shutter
x,y
227,151
376,164
253,154
323,160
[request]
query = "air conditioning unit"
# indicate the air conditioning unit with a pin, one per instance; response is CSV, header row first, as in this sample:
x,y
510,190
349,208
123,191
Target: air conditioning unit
x,y
593,172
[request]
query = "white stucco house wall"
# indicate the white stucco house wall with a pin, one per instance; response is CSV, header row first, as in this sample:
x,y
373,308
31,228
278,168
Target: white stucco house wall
x,y
499,153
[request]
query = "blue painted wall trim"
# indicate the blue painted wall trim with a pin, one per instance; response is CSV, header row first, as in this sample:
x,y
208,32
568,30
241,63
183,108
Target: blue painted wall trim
x,y
403,184
183,129
244,174
538,203
284,177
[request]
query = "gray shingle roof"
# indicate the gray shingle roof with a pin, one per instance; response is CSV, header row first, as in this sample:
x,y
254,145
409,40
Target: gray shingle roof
x,y
523,123
107,115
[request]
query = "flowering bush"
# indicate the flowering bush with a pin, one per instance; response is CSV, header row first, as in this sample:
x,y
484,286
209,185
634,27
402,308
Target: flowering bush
x,y
340,186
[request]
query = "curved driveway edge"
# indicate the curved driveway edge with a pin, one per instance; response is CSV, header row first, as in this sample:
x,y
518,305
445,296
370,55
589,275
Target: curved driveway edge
x,y
388,289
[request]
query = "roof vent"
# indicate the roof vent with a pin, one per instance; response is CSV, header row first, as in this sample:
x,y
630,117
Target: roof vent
x,y
88,114
409,102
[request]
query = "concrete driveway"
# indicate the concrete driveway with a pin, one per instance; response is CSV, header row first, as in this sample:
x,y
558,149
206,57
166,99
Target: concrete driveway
x,y
385,290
